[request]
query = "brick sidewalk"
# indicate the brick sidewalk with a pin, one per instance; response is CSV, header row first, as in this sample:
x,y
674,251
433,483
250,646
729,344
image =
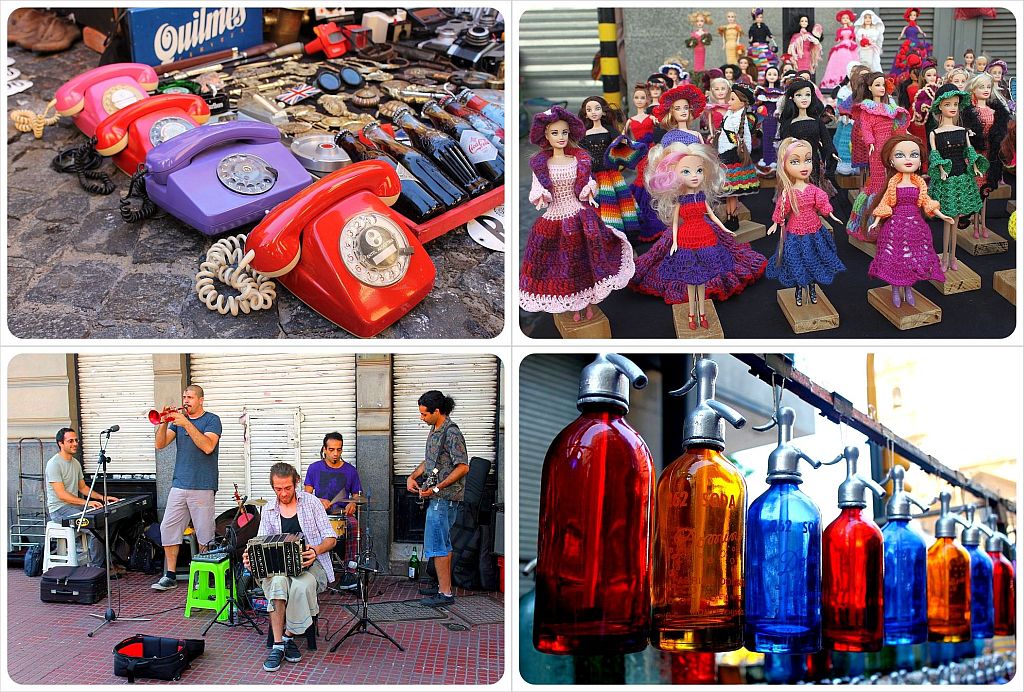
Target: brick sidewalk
x,y
47,642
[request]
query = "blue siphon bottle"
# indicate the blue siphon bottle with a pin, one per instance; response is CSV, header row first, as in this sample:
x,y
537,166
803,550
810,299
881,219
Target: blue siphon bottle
x,y
983,614
783,555
906,569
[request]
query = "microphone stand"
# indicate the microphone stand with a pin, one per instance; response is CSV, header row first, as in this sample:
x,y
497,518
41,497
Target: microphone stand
x,y
109,616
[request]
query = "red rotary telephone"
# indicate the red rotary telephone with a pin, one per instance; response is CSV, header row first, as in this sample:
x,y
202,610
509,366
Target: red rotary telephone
x,y
131,132
91,96
339,248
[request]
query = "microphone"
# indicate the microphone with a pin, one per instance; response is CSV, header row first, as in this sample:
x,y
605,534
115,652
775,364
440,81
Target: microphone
x,y
111,429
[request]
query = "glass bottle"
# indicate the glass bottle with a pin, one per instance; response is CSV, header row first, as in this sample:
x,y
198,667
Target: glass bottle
x,y
415,201
419,164
783,555
484,156
949,581
851,579
982,605
697,584
492,111
905,569
444,150
593,550
1003,585
481,124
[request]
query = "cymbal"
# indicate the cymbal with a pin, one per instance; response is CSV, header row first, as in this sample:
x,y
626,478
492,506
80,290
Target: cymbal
x,y
355,501
259,502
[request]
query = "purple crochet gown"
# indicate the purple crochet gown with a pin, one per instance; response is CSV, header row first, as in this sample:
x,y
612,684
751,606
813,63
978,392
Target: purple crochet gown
x,y
905,252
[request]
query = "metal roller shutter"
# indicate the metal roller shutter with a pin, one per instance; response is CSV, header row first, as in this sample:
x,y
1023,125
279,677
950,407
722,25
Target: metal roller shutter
x,y
472,380
117,389
275,407
892,17
550,383
998,38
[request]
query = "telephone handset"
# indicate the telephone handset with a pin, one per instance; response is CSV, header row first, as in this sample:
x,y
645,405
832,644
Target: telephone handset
x,y
131,132
224,175
91,96
338,247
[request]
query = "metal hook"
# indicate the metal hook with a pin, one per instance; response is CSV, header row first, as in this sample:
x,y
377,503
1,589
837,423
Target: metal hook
x,y
776,405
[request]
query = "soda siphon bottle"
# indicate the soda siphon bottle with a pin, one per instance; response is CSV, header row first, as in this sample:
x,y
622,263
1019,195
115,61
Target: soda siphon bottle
x,y
906,569
982,604
949,581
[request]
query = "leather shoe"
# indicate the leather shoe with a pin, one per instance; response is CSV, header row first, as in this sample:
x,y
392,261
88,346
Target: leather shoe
x,y
52,35
23,23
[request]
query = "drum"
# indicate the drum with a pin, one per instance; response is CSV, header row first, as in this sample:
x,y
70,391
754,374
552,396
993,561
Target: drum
x,y
340,524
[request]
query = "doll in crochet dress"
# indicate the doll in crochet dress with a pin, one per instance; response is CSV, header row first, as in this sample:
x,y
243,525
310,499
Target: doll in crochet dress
x,y
618,208
905,254
572,259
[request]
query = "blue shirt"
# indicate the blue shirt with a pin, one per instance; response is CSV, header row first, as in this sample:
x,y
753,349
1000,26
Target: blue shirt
x,y
194,469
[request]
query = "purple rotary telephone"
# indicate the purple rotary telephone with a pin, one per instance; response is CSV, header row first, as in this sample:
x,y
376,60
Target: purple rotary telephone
x,y
221,176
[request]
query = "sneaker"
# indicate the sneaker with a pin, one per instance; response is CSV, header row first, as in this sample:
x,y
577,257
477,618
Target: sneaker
x,y
438,600
291,651
165,584
348,582
428,590
274,658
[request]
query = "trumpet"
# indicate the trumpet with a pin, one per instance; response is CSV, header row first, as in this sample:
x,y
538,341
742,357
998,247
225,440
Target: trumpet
x,y
164,414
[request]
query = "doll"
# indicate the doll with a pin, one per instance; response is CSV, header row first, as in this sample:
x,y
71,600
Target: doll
x,y
676,110
843,52
986,116
730,33
674,71
657,84
948,65
958,77
731,73
800,117
572,260
806,252
914,42
768,96
733,141
870,34
748,71
997,68
905,254
921,103
718,104
843,138
761,43
980,64
640,127
879,119
969,61
907,83
804,45
618,208
683,180
954,164
700,38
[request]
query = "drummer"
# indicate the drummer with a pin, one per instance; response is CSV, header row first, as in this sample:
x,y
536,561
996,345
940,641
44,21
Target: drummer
x,y
332,477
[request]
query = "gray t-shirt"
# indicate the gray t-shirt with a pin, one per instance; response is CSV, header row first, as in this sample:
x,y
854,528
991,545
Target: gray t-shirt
x,y
194,470
446,449
68,473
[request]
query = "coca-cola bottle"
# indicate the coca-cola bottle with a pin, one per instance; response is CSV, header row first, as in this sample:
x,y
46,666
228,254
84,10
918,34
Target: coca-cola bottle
x,y
478,149
495,112
481,124
415,201
421,166
443,149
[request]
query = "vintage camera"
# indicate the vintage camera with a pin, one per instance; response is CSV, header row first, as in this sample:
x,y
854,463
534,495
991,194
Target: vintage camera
x,y
477,48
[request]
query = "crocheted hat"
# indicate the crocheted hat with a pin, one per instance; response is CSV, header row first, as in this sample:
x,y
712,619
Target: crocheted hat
x,y
947,91
552,115
906,15
689,93
671,66
846,13
744,91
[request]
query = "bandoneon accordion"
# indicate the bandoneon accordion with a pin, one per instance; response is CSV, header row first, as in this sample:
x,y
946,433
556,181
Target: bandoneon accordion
x,y
280,553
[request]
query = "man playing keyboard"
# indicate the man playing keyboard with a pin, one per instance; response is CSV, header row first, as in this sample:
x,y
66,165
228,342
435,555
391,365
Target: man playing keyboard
x,y
66,491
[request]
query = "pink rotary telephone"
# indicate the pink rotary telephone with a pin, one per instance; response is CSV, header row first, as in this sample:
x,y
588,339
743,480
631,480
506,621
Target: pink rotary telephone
x,y
92,96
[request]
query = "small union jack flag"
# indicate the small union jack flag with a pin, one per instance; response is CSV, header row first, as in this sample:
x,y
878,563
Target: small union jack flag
x,y
299,92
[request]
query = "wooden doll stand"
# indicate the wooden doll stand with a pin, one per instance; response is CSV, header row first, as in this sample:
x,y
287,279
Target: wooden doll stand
x,y
992,245
960,281
849,182
1011,206
596,327
921,314
681,321
809,317
1005,284
742,212
749,231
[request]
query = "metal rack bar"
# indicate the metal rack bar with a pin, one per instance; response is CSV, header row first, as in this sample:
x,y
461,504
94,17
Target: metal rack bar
x,y
837,408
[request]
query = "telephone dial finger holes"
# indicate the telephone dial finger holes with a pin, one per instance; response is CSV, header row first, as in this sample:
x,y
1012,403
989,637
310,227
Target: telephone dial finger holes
x,y
168,128
246,174
375,250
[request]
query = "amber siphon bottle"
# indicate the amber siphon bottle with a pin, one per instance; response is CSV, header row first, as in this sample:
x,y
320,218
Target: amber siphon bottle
x,y
949,580
697,597
593,548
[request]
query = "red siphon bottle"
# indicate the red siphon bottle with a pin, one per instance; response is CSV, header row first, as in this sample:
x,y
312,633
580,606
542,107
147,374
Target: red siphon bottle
x,y
1003,589
697,585
949,580
593,549
852,612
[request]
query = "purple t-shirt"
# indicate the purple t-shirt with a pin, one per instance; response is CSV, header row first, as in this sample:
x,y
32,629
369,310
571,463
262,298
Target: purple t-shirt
x,y
327,482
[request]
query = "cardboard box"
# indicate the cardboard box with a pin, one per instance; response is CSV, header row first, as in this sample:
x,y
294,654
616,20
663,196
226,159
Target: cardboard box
x,y
163,35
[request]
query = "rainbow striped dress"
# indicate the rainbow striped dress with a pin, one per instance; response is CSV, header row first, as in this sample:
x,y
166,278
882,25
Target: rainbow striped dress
x,y
617,206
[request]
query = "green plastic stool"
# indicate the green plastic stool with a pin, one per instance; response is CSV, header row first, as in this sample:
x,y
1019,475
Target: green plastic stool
x,y
201,594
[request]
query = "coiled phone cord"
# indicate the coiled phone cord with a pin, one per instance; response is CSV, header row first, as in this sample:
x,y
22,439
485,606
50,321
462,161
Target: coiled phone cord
x,y
83,160
137,188
227,262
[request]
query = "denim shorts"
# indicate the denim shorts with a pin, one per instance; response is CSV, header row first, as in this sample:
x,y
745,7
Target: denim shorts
x,y
437,539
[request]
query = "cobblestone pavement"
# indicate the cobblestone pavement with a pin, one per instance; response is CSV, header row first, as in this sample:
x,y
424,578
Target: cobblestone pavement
x,y
76,270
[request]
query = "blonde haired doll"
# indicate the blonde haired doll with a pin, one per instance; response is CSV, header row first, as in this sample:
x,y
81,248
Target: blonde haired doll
x,y
700,38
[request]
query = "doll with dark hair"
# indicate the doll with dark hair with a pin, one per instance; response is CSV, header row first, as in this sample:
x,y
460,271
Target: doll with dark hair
x,y
800,117
640,127
572,259
768,95
804,45
733,141
748,71
844,136
762,45
618,208
986,117
914,43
